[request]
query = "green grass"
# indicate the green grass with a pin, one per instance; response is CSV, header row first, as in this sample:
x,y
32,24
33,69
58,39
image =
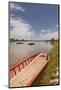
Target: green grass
x,y
45,76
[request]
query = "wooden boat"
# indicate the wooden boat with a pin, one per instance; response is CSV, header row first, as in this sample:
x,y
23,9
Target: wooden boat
x,y
24,74
19,43
31,43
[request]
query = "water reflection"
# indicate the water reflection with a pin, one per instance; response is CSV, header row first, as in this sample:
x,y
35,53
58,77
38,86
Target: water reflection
x,y
19,52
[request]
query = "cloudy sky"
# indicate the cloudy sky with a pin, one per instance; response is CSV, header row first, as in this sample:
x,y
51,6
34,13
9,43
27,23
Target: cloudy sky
x,y
36,20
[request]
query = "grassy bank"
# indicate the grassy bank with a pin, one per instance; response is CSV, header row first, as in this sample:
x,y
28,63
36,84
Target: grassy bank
x,y
45,76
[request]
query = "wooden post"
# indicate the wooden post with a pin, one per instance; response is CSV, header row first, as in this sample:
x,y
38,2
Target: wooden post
x,y
14,71
26,62
19,68
29,61
22,65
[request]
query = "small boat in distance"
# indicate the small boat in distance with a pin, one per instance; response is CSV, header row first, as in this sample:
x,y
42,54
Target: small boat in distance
x,y
19,43
31,43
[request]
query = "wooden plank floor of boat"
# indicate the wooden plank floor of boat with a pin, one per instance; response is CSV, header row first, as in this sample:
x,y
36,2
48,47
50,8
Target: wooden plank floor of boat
x,y
29,73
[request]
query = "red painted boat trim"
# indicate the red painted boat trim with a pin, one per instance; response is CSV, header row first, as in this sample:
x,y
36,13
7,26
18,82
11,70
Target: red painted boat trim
x,y
18,67
13,70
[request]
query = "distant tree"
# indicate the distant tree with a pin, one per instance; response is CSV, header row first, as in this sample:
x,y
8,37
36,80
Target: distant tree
x,y
12,39
52,40
16,39
46,41
22,39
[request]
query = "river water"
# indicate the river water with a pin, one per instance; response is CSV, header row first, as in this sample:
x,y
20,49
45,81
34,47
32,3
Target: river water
x,y
20,52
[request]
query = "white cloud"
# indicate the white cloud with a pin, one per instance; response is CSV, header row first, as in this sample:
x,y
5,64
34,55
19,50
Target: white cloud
x,y
45,31
17,7
49,35
20,29
57,26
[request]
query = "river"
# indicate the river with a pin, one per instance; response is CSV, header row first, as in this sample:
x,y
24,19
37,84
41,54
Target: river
x,y
20,52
